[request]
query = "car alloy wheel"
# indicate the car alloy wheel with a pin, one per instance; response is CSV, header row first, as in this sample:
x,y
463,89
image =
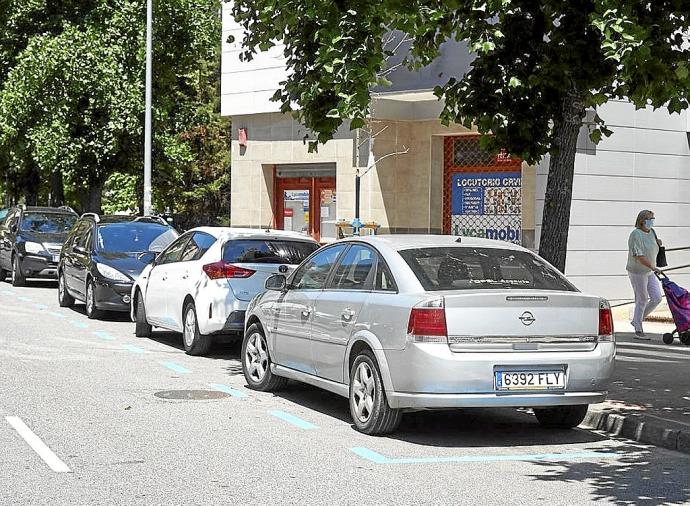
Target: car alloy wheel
x,y
364,392
89,299
189,330
256,357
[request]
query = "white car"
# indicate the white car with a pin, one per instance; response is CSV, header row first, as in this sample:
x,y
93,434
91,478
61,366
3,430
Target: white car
x,y
201,284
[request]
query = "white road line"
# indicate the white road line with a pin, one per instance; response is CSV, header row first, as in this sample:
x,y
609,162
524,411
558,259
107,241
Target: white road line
x,y
37,445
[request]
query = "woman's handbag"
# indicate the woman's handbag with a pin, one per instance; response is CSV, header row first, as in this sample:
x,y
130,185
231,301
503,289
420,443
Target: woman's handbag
x,y
661,256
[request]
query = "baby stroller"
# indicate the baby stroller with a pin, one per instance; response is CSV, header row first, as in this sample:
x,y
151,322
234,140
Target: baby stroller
x,y
679,303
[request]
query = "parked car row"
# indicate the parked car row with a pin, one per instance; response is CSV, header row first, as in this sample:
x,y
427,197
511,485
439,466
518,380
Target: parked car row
x,y
394,323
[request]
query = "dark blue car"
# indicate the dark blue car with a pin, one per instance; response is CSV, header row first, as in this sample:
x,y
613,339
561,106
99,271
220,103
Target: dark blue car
x,y
30,241
103,256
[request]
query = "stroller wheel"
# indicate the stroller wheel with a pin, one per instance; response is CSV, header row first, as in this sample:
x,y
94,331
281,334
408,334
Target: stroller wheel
x,y
685,338
668,338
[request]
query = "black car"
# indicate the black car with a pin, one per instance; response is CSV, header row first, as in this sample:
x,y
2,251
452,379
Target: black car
x,y
30,241
104,255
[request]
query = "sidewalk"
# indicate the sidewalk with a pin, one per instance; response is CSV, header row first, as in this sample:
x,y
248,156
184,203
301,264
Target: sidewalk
x,y
649,398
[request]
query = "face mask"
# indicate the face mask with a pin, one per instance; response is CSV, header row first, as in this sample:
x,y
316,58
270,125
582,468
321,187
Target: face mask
x,y
649,223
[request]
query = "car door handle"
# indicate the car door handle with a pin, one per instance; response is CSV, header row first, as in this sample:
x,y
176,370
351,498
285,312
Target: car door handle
x,y
185,275
306,312
348,314
164,278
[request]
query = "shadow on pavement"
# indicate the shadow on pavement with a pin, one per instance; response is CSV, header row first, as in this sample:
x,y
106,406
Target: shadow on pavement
x,y
484,427
50,284
107,316
634,478
449,429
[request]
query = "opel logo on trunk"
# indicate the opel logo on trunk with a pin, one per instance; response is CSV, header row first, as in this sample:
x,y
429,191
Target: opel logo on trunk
x,y
527,318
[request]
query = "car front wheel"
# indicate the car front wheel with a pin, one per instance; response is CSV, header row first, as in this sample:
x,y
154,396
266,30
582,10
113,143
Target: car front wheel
x,y
368,404
256,362
142,327
195,343
18,278
64,298
91,310
561,417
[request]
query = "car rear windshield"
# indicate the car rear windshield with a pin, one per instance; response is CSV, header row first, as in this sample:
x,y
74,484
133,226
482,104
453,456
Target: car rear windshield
x,y
134,237
465,268
47,223
260,251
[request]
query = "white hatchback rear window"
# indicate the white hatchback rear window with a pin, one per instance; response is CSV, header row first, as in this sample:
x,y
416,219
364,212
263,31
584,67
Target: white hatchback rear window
x,y
259,251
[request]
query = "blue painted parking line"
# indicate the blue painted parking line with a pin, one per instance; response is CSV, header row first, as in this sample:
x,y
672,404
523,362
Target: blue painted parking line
x,y
103,335
79,325
228,390
56,315
40,306
297,422
134,349
175,367
24,299
377,458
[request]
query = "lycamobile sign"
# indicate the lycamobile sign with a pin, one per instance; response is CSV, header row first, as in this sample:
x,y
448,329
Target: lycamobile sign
x,y
487,204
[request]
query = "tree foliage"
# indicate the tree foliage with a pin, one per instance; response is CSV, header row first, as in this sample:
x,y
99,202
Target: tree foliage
x,y
72,93
538,66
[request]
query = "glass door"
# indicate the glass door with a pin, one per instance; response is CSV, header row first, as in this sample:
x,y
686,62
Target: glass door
x,y
306,205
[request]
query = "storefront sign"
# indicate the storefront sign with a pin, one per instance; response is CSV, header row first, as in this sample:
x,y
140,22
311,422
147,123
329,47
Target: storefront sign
x,y
487,204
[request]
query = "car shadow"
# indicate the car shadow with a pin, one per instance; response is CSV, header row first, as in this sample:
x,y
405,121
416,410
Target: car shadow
x,y
220,350
106,316
638,476
481,427
49,284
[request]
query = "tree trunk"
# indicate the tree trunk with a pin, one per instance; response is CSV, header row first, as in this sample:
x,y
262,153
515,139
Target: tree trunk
x,y
57,189
31,184
553,243
94,195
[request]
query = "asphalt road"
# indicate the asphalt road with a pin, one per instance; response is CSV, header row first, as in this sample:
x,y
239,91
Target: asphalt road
x,y
94,395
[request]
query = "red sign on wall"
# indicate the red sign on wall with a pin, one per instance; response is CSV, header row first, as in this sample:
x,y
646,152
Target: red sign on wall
x,y
288,213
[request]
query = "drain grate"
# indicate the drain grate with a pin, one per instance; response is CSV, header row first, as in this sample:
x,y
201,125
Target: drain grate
x,y
191,395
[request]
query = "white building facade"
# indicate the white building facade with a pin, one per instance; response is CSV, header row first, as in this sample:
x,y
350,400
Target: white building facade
x,y
440,182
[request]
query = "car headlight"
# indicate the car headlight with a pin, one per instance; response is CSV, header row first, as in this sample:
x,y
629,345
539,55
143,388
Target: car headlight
x,y
33,247
110,273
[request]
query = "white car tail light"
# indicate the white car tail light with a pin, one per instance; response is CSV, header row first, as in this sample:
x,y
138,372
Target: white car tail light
x,y
224,270
605,322
427,323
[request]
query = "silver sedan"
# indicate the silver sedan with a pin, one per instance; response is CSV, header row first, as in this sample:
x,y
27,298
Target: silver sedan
x,y
402,322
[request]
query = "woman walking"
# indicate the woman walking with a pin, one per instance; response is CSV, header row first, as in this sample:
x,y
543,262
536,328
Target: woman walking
x,y
643,248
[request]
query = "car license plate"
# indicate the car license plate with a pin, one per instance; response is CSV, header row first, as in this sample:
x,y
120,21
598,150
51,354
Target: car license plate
x,y
56,258
529,380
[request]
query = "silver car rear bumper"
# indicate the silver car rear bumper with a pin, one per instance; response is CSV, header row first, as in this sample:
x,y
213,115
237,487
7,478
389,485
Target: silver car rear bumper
x,y
432,376
438,401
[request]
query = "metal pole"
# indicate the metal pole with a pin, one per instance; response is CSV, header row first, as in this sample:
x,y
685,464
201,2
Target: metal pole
x,y
357,187
356,224
147,111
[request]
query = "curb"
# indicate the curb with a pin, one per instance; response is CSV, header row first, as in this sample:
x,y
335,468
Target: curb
x,y
643,428
659,319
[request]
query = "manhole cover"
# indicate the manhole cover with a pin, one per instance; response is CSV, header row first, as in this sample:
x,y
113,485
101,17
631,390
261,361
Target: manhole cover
x,y
191,395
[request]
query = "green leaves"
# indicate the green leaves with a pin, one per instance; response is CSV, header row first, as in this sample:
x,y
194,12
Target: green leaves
x,y
72,98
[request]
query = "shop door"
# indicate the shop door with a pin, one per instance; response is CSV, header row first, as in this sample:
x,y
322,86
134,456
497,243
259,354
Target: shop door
x,y
306,205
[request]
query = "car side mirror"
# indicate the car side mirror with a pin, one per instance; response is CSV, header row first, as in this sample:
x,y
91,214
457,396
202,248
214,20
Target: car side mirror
x,y
276,282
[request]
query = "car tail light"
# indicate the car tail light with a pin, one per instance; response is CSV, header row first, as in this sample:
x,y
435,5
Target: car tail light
x,y
605,322
224,270
427,323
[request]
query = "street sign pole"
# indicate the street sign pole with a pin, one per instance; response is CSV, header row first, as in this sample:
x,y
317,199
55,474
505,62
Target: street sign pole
x,y
147,112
